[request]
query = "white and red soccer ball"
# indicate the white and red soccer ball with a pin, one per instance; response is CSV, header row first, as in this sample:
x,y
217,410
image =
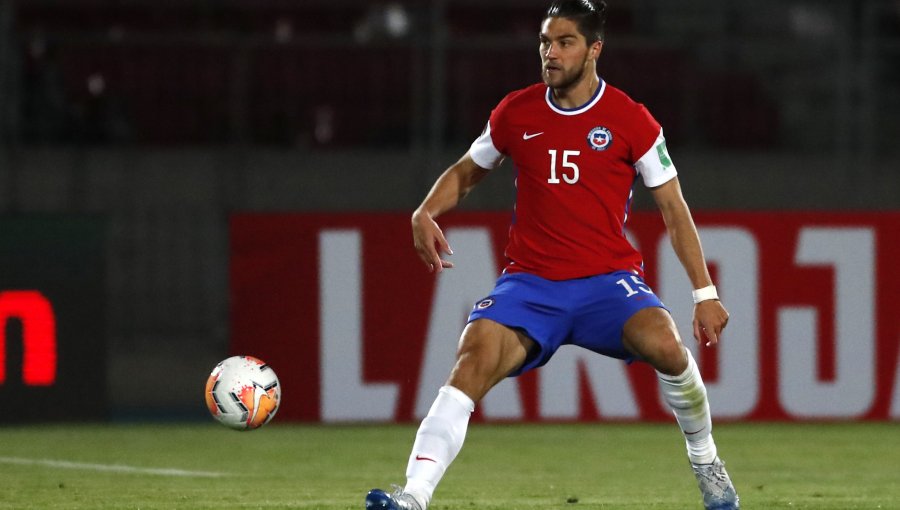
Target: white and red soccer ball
x,y
243,393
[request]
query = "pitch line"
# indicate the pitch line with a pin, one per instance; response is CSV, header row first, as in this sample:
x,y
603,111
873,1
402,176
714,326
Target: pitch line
x,y
109,468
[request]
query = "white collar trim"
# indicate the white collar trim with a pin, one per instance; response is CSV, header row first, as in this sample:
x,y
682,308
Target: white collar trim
x,y
580,109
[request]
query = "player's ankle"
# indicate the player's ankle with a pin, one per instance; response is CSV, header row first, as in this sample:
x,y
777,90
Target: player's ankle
x,y
421,498
702,450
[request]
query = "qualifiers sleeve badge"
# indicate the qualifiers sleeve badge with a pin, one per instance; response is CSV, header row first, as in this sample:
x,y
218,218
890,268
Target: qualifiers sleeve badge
x,y
600,138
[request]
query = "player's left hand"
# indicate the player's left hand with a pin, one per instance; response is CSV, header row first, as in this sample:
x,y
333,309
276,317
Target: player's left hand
x,y
430,242
710,318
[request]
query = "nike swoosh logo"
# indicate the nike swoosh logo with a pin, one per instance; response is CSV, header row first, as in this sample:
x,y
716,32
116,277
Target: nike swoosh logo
x,y
694,432
526,136
419,457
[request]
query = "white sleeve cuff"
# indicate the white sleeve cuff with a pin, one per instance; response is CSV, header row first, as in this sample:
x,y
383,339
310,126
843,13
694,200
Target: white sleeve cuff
x,y
656,166
483,152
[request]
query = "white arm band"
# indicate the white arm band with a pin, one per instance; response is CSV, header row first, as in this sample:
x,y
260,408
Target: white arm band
x,y
704,294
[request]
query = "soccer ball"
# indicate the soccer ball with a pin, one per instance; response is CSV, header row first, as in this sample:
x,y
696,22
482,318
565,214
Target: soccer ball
x,y
243,393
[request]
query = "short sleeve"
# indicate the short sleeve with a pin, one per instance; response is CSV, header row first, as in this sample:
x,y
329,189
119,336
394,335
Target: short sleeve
x,y
483,151
655,166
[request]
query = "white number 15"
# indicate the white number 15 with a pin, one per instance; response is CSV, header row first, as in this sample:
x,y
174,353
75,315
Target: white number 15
x,y
565,164
637,282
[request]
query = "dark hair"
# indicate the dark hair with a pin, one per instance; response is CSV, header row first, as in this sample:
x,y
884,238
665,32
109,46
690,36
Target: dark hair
x,y
589,16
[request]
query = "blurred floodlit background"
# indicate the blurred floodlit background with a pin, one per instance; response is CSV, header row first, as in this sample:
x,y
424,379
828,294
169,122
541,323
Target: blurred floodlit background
x,y
162,117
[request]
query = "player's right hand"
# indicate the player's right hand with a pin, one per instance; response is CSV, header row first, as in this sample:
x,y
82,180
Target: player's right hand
x,y
430,242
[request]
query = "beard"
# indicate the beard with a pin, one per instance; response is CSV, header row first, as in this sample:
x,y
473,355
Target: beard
x,y
565,78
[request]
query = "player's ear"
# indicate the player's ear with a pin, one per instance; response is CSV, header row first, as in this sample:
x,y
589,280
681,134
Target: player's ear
x,y
596,49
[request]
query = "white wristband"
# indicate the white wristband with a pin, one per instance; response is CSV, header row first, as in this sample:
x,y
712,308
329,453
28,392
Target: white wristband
x,y
704,294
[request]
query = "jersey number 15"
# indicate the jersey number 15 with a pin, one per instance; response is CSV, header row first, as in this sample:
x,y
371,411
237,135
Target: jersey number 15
x,y
569,177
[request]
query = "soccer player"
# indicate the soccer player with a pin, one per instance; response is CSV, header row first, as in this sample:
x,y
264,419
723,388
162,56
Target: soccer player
x,y
578,145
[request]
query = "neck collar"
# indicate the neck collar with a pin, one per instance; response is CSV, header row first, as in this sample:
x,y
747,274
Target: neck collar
x,y
601,87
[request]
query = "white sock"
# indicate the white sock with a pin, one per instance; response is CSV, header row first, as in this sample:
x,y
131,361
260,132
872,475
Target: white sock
x,y
686,395
438,441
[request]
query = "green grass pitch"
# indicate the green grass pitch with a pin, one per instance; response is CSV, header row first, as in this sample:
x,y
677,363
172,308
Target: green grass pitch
x,y
577,466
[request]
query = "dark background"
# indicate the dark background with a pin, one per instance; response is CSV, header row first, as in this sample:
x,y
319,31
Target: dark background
x,y
161,118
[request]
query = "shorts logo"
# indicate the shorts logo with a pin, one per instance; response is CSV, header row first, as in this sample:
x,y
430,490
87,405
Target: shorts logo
x,y
600,138
484,303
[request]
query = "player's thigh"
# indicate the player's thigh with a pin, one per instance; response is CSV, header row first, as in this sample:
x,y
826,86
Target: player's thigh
x,y
488,352
652,335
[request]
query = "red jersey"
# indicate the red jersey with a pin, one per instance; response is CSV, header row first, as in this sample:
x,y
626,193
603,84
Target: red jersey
x,y
575,173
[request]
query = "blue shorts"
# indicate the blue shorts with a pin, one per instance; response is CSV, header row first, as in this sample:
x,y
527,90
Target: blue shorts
x,y
588,312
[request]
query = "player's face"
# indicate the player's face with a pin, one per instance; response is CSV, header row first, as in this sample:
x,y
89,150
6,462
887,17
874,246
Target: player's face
x,y
565,54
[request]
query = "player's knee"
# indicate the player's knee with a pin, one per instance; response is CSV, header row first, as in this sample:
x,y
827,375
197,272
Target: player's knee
x,y
664,351
477,361
652,335
670,358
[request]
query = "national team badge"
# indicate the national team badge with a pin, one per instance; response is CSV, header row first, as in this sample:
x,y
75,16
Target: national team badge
x,y
600,138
